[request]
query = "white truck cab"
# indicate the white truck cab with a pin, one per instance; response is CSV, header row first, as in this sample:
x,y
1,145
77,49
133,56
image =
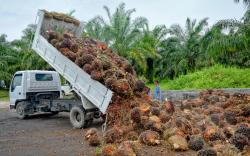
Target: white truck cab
x,y
30,84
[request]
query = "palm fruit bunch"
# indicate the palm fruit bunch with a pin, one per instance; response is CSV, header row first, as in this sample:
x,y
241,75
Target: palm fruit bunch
x,y
92,137
61,17
150,138
207,152
99,61
196,143
241,137
113,135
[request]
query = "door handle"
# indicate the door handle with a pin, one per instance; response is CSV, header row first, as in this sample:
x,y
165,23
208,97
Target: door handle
x,y
19,93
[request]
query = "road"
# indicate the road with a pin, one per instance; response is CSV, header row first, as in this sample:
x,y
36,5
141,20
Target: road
x,y
40,135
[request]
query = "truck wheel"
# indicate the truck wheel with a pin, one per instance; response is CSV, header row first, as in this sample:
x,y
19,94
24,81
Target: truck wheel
x,y
77,117
20,109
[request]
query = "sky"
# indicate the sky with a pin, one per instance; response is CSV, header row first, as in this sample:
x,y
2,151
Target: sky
x,y
15,15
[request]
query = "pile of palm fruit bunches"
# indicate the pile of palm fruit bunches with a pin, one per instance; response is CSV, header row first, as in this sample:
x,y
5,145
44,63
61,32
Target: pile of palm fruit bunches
x,y
215,123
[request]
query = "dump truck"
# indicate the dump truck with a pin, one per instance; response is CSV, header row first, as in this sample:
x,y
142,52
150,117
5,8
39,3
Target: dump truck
x,y
40,91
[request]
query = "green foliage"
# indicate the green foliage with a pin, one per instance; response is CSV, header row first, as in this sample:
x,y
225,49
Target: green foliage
x,y
217,76
146,51
120,31
157,53
4,95
7,58
182,49
17,55
169,52
231,47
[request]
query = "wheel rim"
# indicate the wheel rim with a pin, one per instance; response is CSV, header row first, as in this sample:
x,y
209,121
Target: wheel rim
x,y
20,111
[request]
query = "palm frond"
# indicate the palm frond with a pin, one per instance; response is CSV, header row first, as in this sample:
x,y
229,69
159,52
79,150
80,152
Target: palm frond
x,y
106,8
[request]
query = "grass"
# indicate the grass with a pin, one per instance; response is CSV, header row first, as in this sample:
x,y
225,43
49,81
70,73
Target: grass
x,y
4,95
209,78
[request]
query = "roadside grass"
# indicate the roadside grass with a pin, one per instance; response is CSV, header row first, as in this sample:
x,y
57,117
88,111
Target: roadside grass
x,y
4,95
215,77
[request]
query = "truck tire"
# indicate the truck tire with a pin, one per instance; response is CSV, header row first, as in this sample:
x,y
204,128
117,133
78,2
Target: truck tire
x,y
20,109
77,117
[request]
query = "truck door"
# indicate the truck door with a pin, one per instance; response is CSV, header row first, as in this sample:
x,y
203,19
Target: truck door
x,y
16,89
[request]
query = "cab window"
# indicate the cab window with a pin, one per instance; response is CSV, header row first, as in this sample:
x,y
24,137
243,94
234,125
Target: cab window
x,y
44,77
17,81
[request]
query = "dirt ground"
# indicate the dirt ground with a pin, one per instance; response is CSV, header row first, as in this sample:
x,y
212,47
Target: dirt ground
x,y
46,135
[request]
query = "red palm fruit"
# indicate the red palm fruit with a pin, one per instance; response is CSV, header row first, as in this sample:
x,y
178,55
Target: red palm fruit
x,y
58,46
106,65
113,135
121,87
169,106
129,68
66,43
155,111
71,55
74,47
135,115
97,64
101,45
51,35
87,68
87,59
54,42
67,35
139,86
97,75
64,51
109,73
109,81
150,138
108,150
164,117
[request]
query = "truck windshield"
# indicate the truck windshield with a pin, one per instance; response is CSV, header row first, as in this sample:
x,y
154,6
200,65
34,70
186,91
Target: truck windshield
x,y
17,81
44,77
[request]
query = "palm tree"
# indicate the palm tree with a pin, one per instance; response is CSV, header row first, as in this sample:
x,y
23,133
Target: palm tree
x,y
228,42
95,29
7,58
182,48
120,31
146,51
246,2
